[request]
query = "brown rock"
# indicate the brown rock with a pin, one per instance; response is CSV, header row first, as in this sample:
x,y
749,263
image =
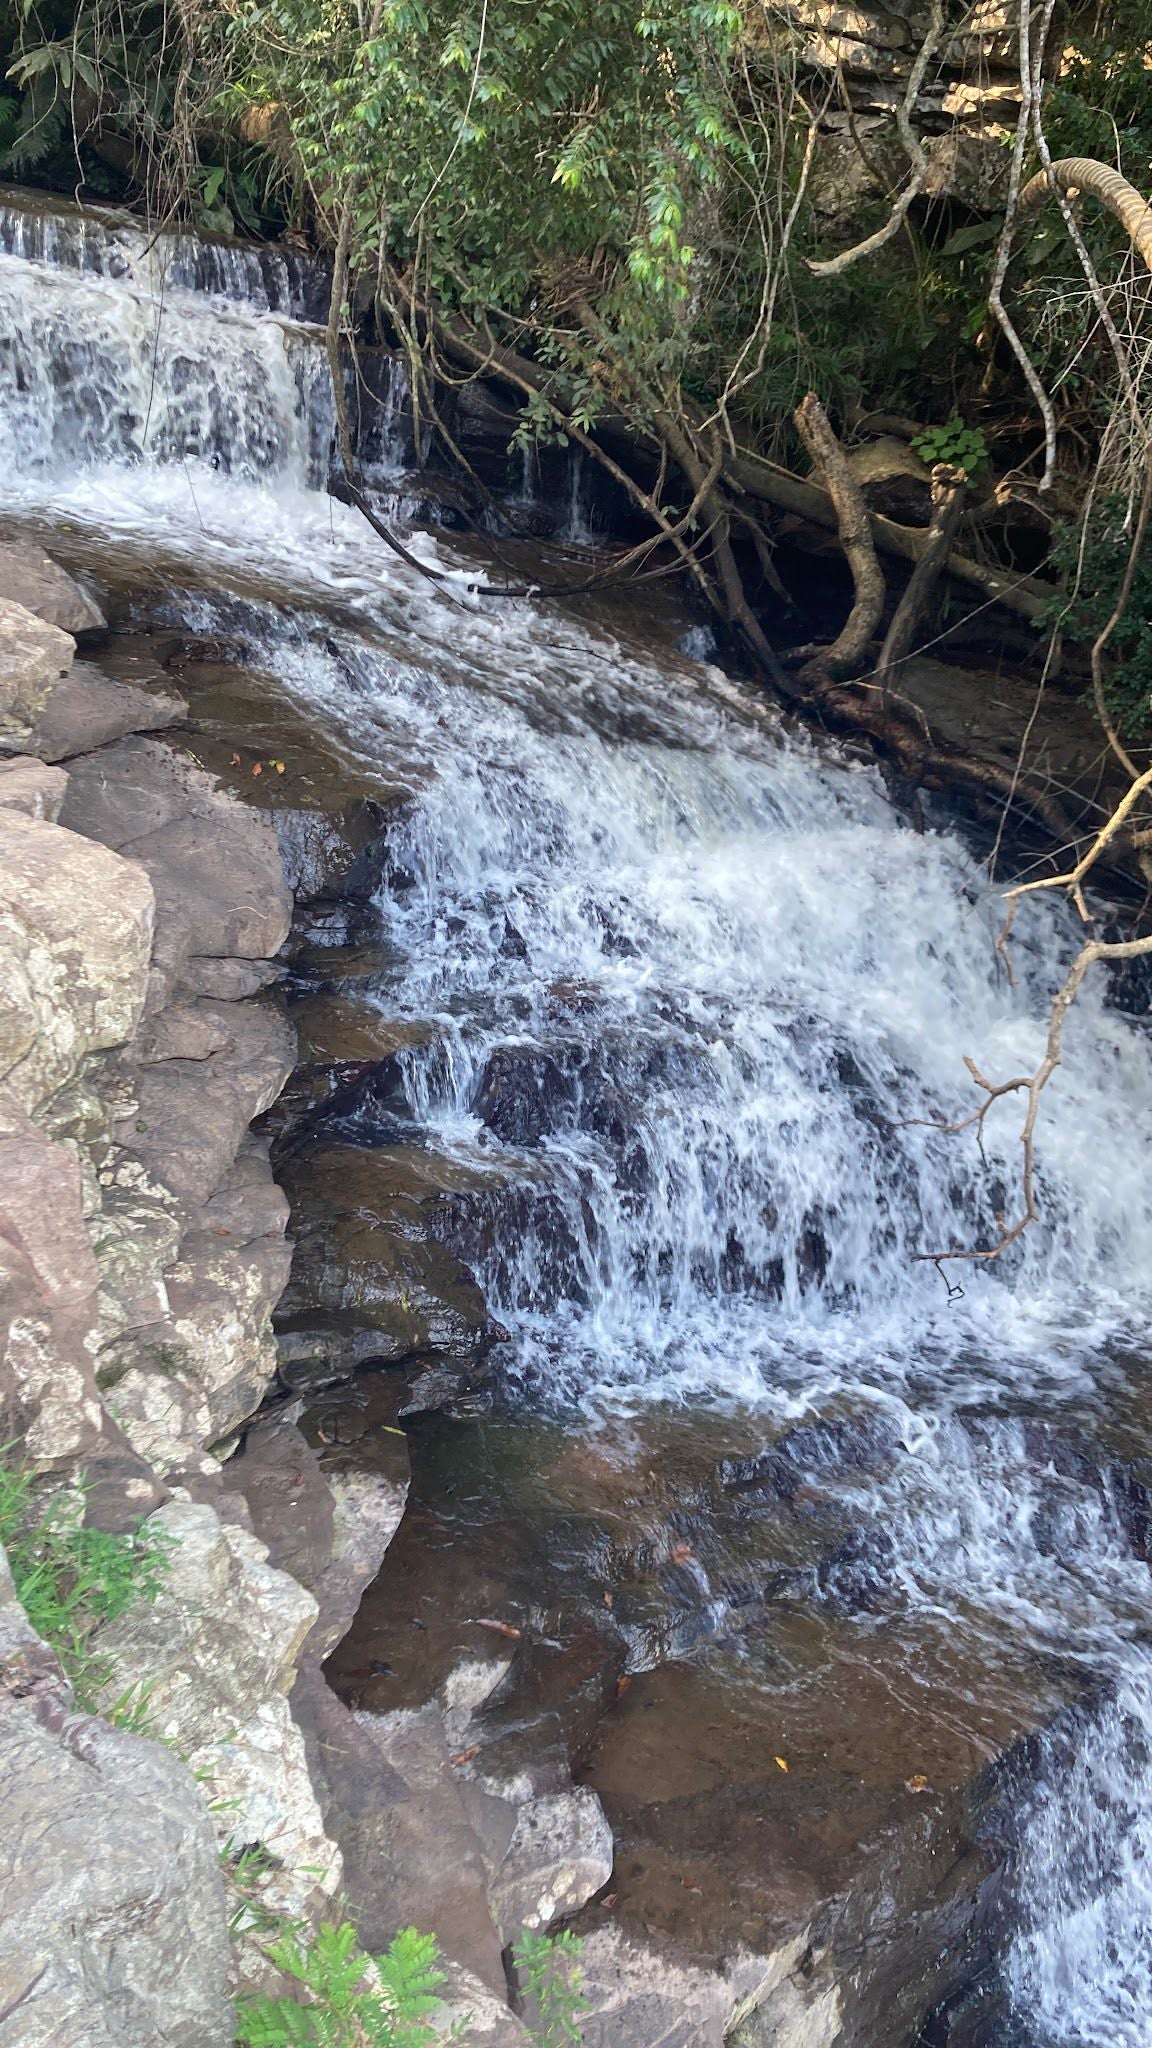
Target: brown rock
x,y
85,710
31,578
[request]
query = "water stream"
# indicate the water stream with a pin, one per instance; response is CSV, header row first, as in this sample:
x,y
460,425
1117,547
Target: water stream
x,y
721,996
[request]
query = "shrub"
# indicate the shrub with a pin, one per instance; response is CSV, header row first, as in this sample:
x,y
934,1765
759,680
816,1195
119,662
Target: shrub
x,y
351,2000
550,1967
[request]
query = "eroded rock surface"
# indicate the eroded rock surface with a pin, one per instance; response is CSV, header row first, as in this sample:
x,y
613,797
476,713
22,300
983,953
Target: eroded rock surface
x,y
113,1926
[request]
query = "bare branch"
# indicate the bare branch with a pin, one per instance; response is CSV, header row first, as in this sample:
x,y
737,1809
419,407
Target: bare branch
x,y
921,159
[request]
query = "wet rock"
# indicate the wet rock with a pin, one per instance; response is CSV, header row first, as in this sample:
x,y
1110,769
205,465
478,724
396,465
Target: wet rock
x,y
435,1875
560,1853
864,1442
857,1577
370,1279
521,1093
352,1101
33,656
30,578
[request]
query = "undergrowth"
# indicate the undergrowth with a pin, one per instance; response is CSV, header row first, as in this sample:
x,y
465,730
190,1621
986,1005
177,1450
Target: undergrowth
x,y
72,1580
347,1999
352,2000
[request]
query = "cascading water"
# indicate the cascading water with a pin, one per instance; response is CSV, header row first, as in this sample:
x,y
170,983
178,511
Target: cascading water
x,y
734,995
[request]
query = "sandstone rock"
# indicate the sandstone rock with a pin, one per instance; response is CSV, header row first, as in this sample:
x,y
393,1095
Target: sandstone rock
x,y
257,1782
48,1282
29,577
222,1636
113,1929
32,657
85,710
639,1998
32,786
192,1110
75,937
214,864
472,2015
329,1522
218,1650
433,1875
370,1279
559,1855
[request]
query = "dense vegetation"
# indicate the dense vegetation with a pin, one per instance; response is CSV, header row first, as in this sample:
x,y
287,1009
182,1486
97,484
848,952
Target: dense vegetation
x,y
629,213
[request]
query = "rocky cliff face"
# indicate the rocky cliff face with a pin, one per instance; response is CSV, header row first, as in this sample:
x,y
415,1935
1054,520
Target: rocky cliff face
x,y
142,1251
855,64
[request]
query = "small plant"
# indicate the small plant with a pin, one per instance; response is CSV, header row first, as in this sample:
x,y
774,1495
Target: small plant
x,y
962,446
71,1580
550,1967
349,1999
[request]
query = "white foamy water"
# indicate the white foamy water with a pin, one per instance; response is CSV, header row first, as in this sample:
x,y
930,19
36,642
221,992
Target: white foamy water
x,y
727,993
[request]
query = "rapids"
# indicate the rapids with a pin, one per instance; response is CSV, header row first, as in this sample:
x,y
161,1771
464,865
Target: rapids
x,y
736,992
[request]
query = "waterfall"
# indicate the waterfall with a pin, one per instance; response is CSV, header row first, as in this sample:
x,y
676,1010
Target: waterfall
x,y
693,990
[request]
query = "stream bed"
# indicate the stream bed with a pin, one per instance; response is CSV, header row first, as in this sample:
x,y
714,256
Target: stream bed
x,y
629,1061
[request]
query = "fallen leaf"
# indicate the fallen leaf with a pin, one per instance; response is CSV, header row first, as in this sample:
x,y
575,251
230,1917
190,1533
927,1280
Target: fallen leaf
x,y
916,1783
501,1628
279,767
608,1599
465,1756
780,1763
623,1685
681,1553
258,768
235,760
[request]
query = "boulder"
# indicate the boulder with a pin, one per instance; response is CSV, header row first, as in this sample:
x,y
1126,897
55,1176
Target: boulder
x,y
32,658
559,1855
29,577
219,1647
214,864
75,939
85,710
31,786
117,1938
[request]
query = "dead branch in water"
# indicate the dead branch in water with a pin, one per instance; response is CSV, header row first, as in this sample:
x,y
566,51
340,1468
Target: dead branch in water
x,y
1033,1085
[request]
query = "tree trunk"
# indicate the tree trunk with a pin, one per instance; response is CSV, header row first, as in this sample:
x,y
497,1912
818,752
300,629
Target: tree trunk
x,y
948,487
848,650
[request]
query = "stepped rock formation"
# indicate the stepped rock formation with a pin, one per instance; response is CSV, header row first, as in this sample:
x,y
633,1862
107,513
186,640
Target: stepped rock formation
x,y
142,1250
